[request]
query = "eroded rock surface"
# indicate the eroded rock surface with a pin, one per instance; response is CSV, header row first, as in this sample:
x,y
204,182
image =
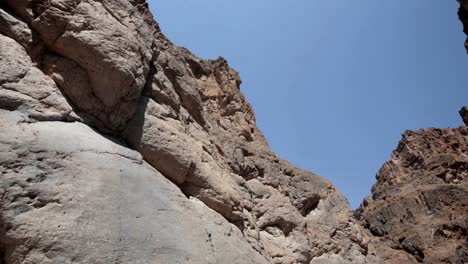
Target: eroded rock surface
x,y
107,65
420,201
117,146
195,127
71,195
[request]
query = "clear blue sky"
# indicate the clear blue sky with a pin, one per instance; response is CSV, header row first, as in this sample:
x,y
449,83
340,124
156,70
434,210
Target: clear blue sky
x,y
334,83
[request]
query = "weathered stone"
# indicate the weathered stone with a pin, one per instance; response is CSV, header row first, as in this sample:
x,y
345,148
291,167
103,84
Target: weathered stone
x,y
26,88
419,203
85,34
197,182
71,195
15,29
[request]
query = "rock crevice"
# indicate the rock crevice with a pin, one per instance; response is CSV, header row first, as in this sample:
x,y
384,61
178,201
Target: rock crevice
x,y
175,169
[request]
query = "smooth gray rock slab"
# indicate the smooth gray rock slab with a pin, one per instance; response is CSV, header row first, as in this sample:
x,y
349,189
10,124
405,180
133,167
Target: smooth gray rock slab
x,y
71,195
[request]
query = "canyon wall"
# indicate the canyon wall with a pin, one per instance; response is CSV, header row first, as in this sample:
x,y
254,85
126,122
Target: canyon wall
x,y
420,201
116,146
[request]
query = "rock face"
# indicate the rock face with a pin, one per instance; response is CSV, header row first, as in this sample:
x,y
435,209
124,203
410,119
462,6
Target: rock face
x,y
72,194
116,146
420,201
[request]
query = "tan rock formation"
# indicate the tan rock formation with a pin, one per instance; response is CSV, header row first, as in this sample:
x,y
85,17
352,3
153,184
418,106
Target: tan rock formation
x,y
186,116
71,195
116,146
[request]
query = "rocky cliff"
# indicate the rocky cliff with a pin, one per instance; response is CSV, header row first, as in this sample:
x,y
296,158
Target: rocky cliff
x,y
116,146
419,204
420,201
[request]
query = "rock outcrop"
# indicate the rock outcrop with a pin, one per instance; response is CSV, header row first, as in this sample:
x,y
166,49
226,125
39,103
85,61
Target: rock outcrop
x,y
419,204
116,146
73,194
420,201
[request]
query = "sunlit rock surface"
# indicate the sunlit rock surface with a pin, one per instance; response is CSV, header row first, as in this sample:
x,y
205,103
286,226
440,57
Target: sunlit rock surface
x,y
116,146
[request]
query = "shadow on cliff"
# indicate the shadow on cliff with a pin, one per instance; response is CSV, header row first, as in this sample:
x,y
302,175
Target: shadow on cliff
x,y
2,236
134,130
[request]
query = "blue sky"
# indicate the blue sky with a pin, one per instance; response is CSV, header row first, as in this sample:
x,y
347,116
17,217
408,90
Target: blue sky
x,y
334,83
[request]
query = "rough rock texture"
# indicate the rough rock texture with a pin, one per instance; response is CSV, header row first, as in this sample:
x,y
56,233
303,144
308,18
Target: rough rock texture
x,y
25,88
116,146
420,201
71,195
74,43
195,127
107,65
